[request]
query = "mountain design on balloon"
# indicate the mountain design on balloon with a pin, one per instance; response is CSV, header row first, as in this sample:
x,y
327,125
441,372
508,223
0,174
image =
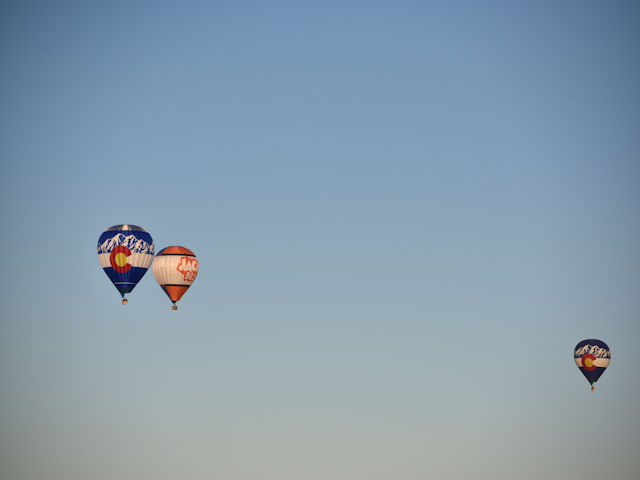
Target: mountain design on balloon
x,y
134,244
594,350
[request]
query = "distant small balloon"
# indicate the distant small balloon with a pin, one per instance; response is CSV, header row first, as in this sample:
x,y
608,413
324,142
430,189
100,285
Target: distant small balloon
x,y
125,252
592,358
175,269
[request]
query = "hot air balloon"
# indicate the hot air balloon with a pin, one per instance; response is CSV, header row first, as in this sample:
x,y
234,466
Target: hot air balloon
x,y
175,269
592,357
125,253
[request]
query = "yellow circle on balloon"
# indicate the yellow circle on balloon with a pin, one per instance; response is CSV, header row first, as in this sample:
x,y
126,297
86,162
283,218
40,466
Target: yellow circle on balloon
x,y
588,362
120,259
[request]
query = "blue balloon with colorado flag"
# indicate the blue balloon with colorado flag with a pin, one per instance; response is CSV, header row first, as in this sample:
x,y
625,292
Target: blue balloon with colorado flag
x,y
592,358
125,252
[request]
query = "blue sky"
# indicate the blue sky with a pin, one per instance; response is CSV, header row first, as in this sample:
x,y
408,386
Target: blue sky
x,y
406,216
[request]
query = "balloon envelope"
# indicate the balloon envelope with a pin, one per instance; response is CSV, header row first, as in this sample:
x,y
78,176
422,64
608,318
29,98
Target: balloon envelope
x,y
175,269
125,252
592,358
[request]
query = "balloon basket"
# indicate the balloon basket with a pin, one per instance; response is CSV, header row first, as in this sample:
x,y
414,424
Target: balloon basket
x,y
125,301
593,388
174,307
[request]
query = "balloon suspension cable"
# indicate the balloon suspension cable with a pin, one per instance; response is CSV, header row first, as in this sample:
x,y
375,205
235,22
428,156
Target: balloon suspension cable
x,y
124,301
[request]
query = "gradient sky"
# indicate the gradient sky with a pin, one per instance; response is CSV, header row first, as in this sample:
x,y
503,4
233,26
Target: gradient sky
x,y
406,214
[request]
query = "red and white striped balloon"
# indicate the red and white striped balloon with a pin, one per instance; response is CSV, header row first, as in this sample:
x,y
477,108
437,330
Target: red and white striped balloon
x,y
175,269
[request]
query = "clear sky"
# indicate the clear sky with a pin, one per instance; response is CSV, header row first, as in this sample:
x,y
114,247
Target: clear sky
x,y
406,214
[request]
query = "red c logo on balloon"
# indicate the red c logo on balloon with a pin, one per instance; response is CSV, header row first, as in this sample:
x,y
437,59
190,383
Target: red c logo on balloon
x,y
120,259
587,362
